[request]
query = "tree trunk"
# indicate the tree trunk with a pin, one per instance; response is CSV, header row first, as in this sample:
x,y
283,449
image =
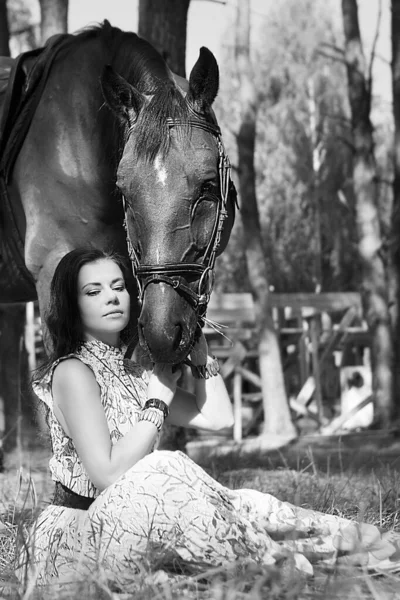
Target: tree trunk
x,y
54,18
163,24
374,277
396,197
317,151
277,418
4,30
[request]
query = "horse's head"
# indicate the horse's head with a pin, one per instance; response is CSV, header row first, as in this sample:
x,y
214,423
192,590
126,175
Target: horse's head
x,y
179,200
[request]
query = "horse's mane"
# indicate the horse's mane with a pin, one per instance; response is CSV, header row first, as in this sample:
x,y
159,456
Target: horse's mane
x,y
143,67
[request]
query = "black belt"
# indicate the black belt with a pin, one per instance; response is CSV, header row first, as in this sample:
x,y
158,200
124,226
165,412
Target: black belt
x,y
63,496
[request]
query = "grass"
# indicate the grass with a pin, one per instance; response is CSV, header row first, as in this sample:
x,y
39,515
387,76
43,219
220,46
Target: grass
x,y
368,493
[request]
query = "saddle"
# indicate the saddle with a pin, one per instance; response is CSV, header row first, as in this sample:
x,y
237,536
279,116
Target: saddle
x,y
22,81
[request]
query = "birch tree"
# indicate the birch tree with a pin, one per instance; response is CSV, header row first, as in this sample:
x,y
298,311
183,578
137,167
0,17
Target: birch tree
x,y
277,419
374,287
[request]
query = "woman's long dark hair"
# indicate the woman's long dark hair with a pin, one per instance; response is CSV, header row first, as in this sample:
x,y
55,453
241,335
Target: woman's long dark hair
x,y
63,320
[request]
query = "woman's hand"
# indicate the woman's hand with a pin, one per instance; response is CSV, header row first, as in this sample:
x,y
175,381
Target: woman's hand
x,y
198,354
163,382
143,358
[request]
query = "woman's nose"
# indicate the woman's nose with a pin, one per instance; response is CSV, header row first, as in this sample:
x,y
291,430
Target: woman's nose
x,y
112,297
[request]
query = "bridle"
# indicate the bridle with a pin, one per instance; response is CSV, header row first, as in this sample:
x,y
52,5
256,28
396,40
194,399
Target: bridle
x,y
172,273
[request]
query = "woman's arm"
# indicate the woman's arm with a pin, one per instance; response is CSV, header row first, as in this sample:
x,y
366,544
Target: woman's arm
x,y
210,406
77,405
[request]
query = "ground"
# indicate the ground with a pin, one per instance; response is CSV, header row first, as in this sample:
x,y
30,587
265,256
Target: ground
x,y
355,476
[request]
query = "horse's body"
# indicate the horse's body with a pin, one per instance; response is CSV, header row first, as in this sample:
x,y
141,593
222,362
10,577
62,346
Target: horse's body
x,y
77,149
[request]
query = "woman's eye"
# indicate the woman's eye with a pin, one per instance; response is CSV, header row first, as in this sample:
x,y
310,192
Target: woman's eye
x,y
120,288
93,293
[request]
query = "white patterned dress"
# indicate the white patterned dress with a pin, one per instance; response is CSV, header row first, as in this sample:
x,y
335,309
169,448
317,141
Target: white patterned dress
x,y
167,502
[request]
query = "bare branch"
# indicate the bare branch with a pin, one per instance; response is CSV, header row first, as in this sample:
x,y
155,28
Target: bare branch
x,y
346,142
384,180
383,59
333,47
331,56
343,61
373,50
345,121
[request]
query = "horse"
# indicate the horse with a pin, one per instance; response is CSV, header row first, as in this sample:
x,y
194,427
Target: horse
x,y
117,140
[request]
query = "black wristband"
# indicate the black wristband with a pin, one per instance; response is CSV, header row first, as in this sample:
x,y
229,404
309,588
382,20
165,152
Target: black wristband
x,y
159,404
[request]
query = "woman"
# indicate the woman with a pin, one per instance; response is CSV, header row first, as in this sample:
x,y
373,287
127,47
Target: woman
x,y
116,499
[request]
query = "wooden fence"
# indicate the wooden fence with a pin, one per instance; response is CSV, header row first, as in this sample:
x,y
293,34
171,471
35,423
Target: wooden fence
x,y
310,326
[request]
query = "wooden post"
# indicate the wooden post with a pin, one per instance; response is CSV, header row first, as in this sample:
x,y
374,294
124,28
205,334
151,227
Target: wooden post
x,y
237,406
303,354
30,335
19,402
314,332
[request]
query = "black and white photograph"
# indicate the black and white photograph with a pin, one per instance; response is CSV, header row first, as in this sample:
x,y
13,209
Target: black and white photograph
x,y
199,299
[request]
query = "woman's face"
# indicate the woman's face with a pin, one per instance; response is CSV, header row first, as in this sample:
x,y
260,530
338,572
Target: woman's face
x,y
103,301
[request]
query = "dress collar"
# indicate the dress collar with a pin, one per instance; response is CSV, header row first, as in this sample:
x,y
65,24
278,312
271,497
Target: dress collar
x,y
103,350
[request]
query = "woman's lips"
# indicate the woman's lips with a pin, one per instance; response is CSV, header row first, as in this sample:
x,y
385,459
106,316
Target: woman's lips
x,y
114,313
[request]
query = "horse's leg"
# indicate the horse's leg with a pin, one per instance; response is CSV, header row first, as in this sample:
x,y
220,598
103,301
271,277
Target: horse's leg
x,y
13,371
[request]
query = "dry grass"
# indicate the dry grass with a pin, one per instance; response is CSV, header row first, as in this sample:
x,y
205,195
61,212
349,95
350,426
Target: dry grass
x,y
368,495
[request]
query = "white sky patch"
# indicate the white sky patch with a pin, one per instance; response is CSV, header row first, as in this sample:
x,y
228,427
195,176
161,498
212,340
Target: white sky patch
x,y
160,170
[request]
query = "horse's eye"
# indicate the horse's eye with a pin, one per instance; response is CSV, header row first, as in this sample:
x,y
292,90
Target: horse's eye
x,y
209,188
204,215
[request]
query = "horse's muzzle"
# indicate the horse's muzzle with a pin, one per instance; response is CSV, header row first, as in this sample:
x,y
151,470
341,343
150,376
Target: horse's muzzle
x,y
167,324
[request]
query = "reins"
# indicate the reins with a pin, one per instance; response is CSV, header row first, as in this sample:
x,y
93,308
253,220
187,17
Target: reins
x,y
172,273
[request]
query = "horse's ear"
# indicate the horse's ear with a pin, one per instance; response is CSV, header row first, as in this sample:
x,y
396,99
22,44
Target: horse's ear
x,y
125,100
203,81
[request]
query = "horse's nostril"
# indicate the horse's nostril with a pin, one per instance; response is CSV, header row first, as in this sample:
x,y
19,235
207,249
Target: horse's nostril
x,y
178,337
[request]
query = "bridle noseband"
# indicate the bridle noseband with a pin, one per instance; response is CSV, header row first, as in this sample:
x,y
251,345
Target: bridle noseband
x,y
172,273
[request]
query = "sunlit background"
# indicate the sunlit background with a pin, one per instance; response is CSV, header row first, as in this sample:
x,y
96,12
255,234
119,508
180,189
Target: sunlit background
x,y
208,22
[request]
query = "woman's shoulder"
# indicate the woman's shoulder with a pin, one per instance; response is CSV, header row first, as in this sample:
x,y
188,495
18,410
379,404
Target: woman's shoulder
x,y
72,381
71,368
65,367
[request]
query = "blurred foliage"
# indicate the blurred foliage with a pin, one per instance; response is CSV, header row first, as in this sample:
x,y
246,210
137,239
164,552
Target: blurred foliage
x,y
292,63
23,18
